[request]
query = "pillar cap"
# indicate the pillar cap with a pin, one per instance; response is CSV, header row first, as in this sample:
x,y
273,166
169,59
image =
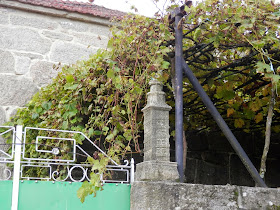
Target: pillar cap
x,y
156,97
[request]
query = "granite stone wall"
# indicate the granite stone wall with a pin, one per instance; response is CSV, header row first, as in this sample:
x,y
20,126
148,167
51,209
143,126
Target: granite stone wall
x,y
180,196
211,159
33,40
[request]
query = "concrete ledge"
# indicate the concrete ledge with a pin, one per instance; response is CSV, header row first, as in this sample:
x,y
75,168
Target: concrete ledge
x,y
156,170
181,196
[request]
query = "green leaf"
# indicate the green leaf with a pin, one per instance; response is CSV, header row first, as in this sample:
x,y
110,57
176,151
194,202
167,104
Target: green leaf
x,y
38,110
110,136
105,129
85,190
111,74
262,67
94,179
128,148
249,114
90,131
274,78
90,160
35,116
69,86
97,133
47,105
197,33
165,65
110,43
70,78
136,90
64,125
96,165
224,93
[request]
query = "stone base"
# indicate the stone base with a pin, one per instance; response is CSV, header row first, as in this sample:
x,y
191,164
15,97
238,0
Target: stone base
x,y
182,196
156,171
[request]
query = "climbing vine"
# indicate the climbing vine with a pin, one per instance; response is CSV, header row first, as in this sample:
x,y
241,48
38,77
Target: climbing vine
x,y
234,48
103,96
231,45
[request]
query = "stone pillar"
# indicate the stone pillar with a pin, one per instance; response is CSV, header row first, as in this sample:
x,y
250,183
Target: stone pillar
x,y
156,165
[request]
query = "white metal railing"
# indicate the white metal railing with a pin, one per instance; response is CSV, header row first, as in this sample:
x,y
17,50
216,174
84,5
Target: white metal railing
x,y
49,158
49,163
20,157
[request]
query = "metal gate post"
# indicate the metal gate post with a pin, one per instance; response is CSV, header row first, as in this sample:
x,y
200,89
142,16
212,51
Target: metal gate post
x,y
132,170
179,92
18,142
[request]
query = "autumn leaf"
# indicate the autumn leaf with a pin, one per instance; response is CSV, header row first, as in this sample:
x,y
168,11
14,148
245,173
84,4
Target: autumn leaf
x,y
230,111
255,105
265,91
259,117
238,123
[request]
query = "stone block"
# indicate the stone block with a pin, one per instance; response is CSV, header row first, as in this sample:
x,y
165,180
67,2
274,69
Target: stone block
x,y
246,141
215,158
180,196
57,35
31,56
162,142
2,116
22,65
155,115
159,122
4,16
100,30
7,62
258,146
4,173
74,25
156,170
17,90
191,170
158,153
217,142
155,134
197,142
42,72
272,173
194,155
259,198
23,39
10,111
33,20
91,40
146,196
69,53
274,149
208,173
207,197
239,174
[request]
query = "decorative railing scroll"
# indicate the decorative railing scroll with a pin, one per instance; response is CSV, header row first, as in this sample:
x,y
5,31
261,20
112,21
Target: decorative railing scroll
x,y
57,155
7,139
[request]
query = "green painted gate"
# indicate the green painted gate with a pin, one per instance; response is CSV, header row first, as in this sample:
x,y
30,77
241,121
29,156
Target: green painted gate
x,y
45,195
24,193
